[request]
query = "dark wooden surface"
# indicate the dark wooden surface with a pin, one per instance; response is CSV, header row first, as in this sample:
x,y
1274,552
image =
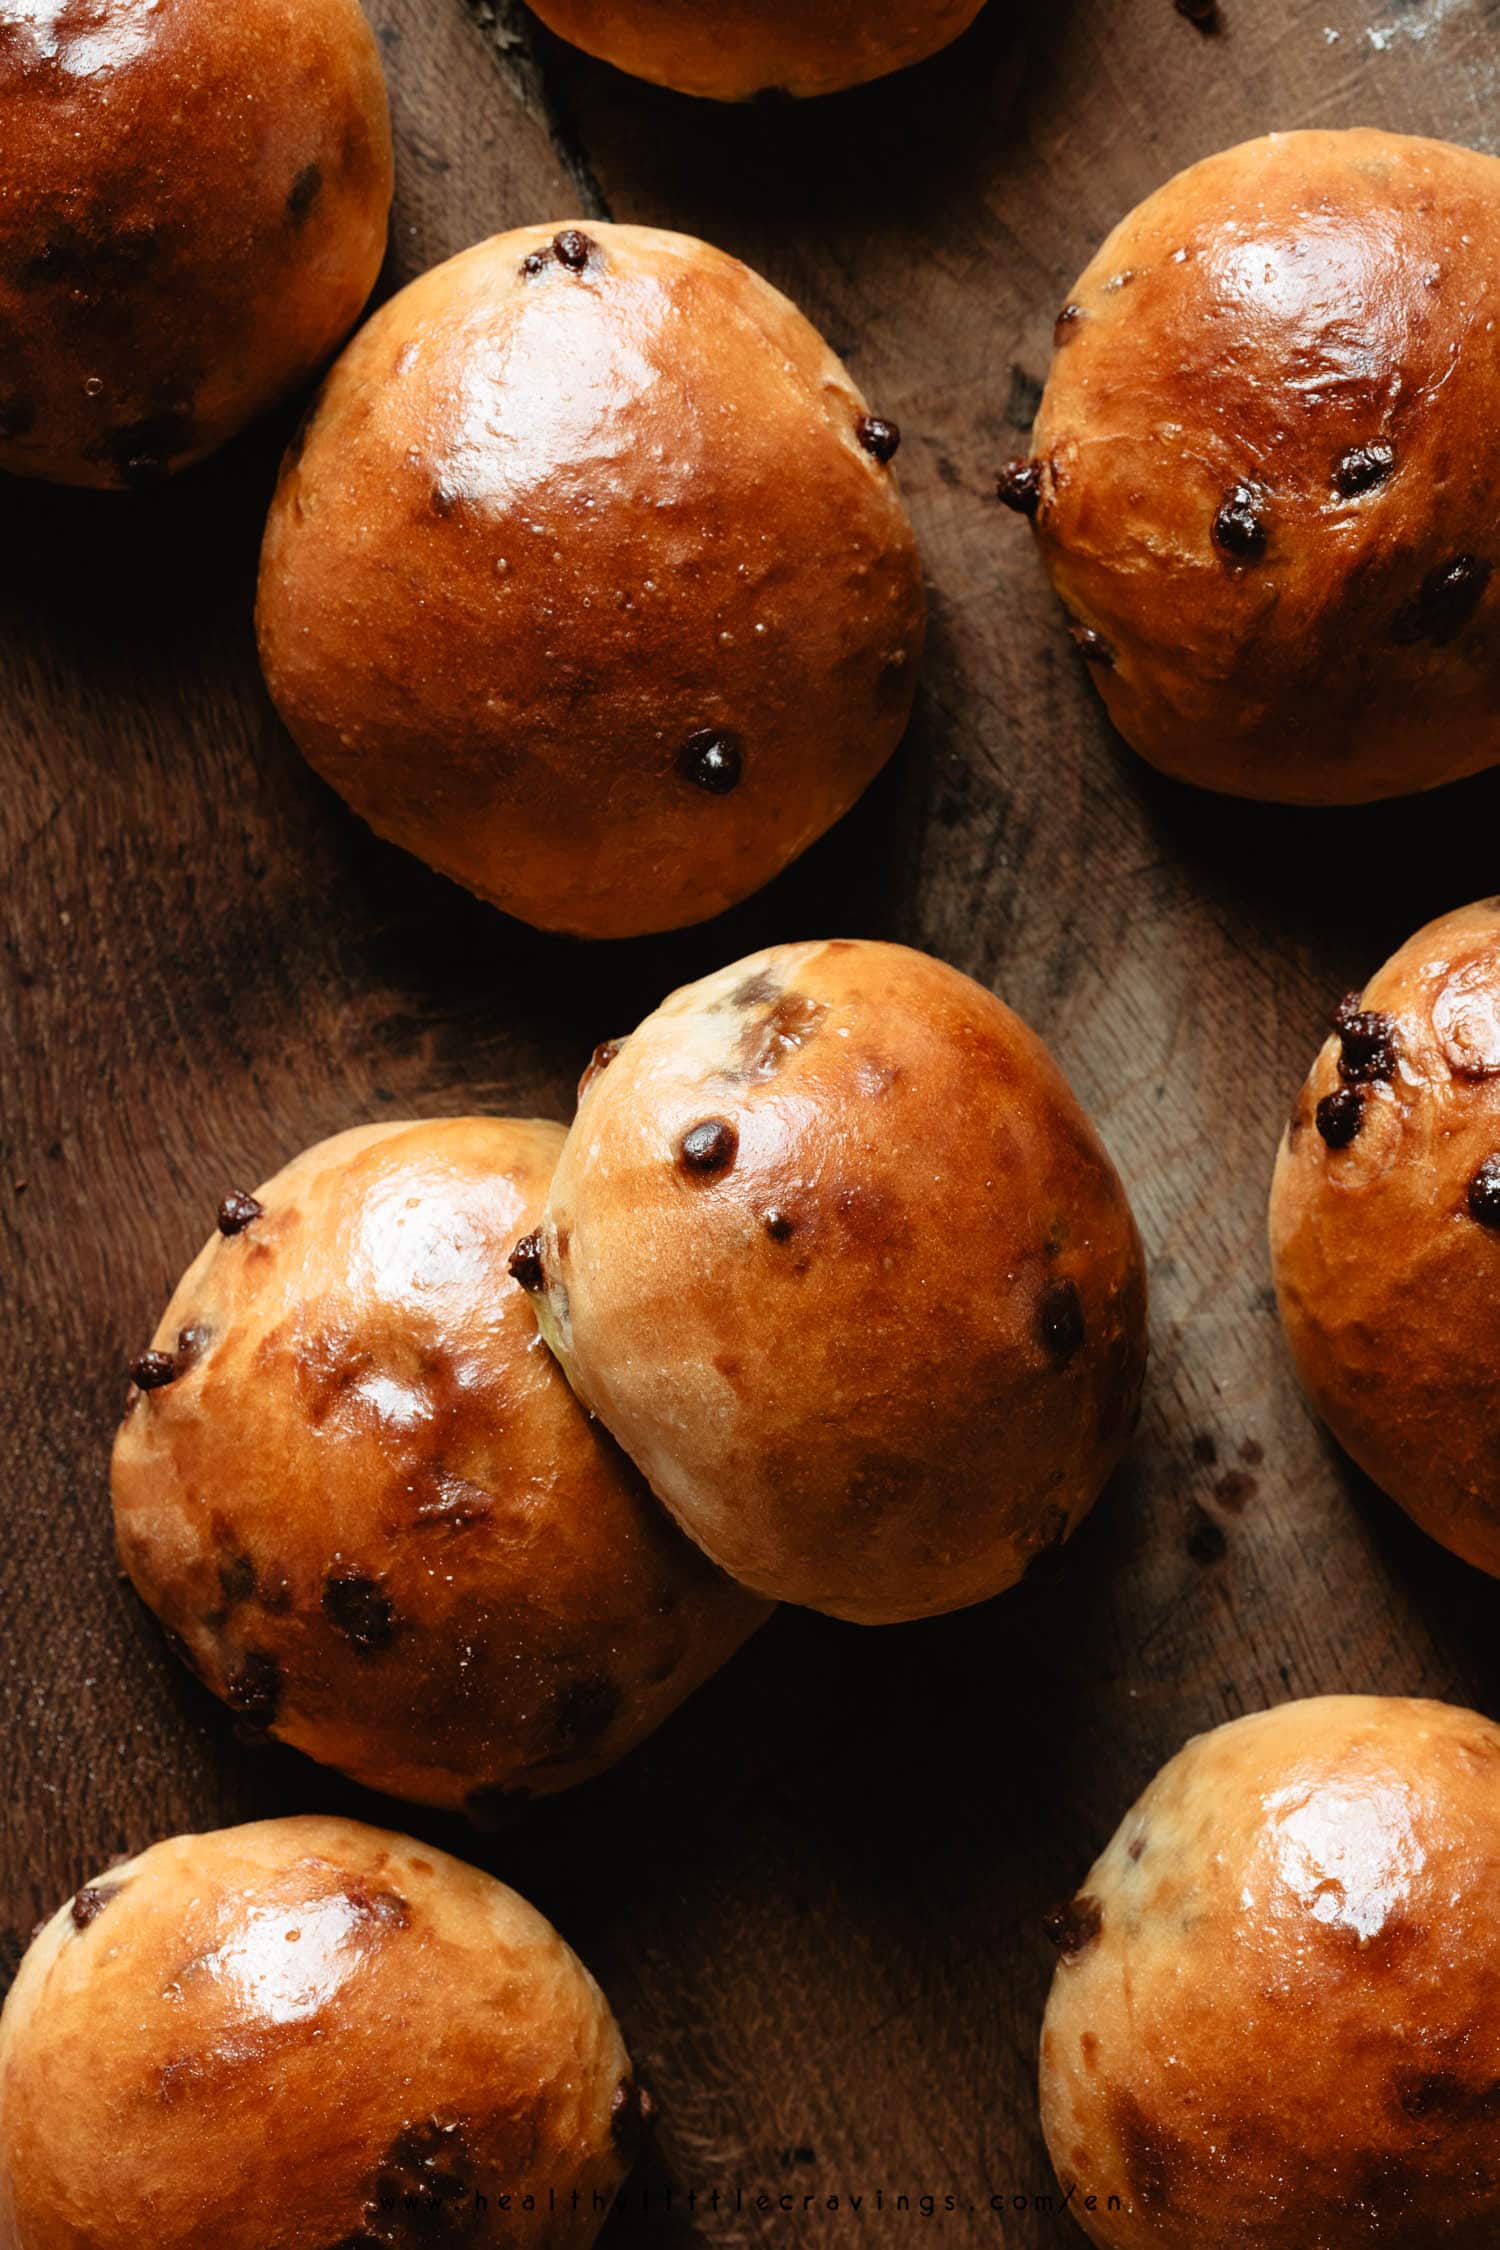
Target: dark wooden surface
x,y
815,1898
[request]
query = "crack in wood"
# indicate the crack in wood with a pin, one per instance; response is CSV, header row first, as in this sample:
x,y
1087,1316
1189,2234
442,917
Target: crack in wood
x,y
512,32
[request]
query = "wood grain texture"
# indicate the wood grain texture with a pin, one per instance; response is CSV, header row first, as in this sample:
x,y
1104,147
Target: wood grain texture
x,y
815,1898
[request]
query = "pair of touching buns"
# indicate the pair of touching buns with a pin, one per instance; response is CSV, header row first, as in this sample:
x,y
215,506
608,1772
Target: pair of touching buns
x,y
830,1250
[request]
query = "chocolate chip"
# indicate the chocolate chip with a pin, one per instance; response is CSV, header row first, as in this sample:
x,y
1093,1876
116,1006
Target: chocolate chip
x,y
1340,1115
237,1211
1066,321
573,249
1019,486
535,262
1060,1321
779,1225
305,190
1362,468
1367,1041
709,1147
601,1058
1240,525
91,1902
712,760
631,2112
878,436
192,1343
355,1606
254,1690
152,1369
525,1264
1092,646
1073,1926
1484,1193
1446,600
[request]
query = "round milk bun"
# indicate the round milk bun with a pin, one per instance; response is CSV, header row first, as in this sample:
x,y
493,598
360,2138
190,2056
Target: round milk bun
x,y
355,1488
834,1252
740,48
194,211
1275,2021
1385,1230
588,580
307,2033
1265,475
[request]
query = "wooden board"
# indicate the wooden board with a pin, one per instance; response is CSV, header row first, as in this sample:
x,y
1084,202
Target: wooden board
x,y
815,1899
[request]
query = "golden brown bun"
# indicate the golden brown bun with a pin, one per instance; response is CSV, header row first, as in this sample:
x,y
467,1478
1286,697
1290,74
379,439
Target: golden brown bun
x,y
301,2034
194,211
1385,1230
583,585
1266,469
1275,2024
835,1253
738,48
368,1505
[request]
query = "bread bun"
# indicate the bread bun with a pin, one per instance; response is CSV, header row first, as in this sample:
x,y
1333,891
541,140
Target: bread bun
x,y
194,211
354,1486
589,582
1276,2018
1385,1230
835,1253
739,48
307,2033
1265,476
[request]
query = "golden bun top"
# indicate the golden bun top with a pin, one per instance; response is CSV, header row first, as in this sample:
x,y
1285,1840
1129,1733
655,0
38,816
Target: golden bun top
x,y
1275,2021
365,1503
306,2033
1385,1229
194,211
1265,474
589,581
835,1253
740,48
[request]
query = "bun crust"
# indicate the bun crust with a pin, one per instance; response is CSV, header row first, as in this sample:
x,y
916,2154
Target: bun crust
x,y
369,1508
1266,469
741,48
305,2033
1276,2018
835,1253
195,209
1385,1230
582,584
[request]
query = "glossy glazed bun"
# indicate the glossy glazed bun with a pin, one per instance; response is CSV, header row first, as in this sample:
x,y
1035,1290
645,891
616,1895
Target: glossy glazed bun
x,y
1265,476
194,210
590,583
743,47
1276,2019
835,1253
357,1490
1385,1230
307,2033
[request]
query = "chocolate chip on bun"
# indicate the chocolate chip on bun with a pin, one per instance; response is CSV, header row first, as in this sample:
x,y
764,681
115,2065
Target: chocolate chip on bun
x,y
354,1487
739,48
1385,1230
194,211
836,1255
1275,2021
307,2033
1265,476
589,582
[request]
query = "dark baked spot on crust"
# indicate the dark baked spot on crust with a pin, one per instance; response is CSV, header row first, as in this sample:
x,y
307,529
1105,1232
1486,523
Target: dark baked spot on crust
x,y
1060,1322
454,1504
631,2112
1368,1048
880,438
152,1369
425,2189
756,992
708,1148
237,1211
585,1709
1155,2158
1019,486
778,1224
1340,1115
1484,1193
712,760
192,1343
304,191
525,1264
236,1579
388,1907
1443,604
1075,1924
254,1688
788,1024
91,1902
1362,468
357,1607
1241,524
